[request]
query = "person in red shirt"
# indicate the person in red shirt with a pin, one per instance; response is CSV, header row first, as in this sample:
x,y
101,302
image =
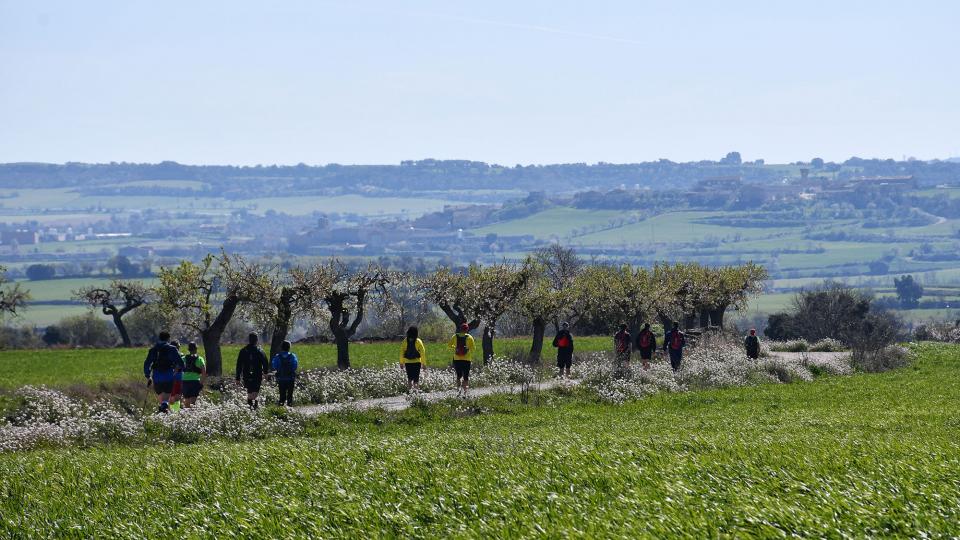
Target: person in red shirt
x,y
623,347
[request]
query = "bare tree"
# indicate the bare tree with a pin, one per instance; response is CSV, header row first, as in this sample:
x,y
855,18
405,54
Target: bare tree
x,y
116,300
343,294
12,297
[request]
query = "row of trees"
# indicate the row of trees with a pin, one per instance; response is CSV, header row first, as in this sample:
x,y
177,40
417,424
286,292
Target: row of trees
x,y
551,285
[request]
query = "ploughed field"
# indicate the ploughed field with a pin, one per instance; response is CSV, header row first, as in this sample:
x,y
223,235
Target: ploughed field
x,y
64,367
860,455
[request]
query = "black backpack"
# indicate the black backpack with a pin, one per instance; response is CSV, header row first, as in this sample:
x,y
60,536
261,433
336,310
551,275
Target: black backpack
x,y
285,371
163,357
411,352
190,363
461,345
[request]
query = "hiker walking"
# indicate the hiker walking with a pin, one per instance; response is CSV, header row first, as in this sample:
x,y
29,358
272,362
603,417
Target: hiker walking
x,y
252,365
176,392
752,344
413,358
194,375
646,344
674,341
622,345
462,346
564,344
161,363
285,365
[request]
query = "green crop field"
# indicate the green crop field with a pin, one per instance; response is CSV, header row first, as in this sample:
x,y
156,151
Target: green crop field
x,y
559,222
679,227
63,367
857,456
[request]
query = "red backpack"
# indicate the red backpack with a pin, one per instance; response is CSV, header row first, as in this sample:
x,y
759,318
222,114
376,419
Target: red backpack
x,y
644,340
676,342
564,341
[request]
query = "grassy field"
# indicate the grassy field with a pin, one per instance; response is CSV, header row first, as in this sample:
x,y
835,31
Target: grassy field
x,y
859,456
559,222
63,367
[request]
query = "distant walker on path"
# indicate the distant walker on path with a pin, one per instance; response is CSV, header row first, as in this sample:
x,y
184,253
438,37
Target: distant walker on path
x,y
564,344
752,344
674,341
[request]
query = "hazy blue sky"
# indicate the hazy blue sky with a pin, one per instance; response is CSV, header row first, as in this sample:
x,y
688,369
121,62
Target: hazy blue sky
x,y
502,81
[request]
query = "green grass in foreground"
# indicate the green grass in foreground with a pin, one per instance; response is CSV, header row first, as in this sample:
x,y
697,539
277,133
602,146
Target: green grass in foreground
x,y
63,367
860,456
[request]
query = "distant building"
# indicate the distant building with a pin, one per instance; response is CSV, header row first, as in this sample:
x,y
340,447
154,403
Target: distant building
x,y
22,237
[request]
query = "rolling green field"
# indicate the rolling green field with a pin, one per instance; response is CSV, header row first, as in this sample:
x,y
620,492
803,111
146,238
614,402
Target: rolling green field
x,y
857,456
558,222
63,367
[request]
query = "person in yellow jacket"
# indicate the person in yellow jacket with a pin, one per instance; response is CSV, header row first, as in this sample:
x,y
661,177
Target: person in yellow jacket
x,y
413,358
462,346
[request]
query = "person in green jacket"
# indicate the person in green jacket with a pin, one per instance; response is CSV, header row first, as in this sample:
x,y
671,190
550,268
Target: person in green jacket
x,y
462,345
194,375
413,358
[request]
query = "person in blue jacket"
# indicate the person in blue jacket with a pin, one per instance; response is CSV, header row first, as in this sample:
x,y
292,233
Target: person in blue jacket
x,y
284,365
163,361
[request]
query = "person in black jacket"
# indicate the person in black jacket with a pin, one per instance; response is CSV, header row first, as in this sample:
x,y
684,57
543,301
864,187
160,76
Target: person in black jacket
x,y
752,344
564,344
646,344
252,366
674,341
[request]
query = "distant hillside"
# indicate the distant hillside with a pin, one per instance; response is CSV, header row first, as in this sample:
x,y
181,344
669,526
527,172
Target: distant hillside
x,y
433,175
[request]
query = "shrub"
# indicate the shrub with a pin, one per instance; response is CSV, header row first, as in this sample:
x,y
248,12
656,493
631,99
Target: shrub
x,y
85,330
884,359
793,345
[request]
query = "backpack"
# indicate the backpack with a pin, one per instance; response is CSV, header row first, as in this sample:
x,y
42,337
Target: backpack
x,y
676,341
285,371
644,340
411,353
563,342
162,360
461,345
190,363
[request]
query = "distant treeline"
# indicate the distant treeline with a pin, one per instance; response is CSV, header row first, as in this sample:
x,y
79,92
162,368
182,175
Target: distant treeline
x,y
430,174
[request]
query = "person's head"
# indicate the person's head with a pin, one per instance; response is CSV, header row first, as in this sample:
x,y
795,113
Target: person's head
x,y
175,343
412,332
564,325
676,325
623,327
192,347
464,328
164,336
285,346
253,338
753,331
646,326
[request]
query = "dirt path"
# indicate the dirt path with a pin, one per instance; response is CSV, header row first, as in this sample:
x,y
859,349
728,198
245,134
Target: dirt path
x,y
399,403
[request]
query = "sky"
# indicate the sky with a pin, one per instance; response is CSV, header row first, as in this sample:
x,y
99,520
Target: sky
x,y
515,81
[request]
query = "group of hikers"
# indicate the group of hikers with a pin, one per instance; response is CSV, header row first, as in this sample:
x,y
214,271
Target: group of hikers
x,y
179,379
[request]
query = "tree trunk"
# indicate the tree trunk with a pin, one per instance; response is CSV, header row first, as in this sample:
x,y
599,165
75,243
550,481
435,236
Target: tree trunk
x,y
716,316
536,348
281,323
704,318
343,351
689,321
211,336
122,328
487,344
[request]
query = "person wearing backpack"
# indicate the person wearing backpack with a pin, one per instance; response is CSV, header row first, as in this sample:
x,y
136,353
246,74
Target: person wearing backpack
x,y
622,345
252,365
674,341
646,344
752,344
462,346
564,344
413,358
162,362
194,375
285,365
